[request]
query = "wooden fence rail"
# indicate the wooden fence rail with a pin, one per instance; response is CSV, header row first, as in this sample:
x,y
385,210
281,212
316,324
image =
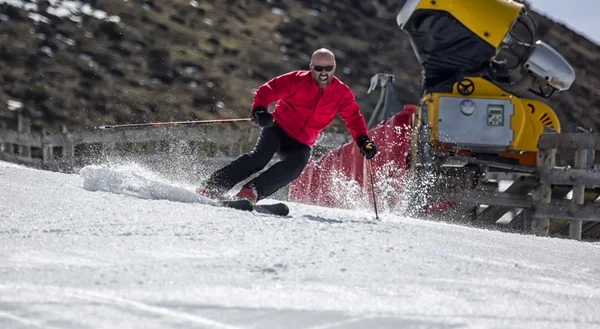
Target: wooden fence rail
x,y
581,176
69,150
537,199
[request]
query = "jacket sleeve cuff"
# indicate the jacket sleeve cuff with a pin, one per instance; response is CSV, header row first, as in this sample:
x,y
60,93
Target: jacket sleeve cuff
x,y
361,140
258,108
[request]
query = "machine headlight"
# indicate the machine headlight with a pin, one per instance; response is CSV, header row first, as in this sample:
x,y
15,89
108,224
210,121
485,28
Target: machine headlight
x,y
467,107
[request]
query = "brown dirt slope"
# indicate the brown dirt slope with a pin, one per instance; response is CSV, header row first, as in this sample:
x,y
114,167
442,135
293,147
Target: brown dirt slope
x,y
202,59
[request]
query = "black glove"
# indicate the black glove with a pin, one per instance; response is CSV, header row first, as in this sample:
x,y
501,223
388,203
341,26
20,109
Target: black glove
x,y
262,117
367,147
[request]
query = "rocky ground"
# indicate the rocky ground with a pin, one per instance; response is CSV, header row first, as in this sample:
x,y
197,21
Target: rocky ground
x,y
130,61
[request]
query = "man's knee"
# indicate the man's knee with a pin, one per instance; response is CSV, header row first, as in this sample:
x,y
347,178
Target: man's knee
x,y
304,155
260,158
299,159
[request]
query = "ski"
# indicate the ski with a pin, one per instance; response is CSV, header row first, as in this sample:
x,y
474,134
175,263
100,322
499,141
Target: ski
x,y
277,209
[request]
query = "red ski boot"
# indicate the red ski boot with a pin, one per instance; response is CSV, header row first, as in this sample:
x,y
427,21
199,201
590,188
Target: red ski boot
x,y
247,193
208,193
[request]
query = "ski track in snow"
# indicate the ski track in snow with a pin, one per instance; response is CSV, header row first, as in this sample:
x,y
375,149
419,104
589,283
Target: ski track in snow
x,y
120,247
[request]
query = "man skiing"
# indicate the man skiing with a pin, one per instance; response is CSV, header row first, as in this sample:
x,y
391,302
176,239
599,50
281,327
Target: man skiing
x,y
308,102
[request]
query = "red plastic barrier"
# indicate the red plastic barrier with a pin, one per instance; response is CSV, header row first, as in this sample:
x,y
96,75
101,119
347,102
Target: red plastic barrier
x,y
340,178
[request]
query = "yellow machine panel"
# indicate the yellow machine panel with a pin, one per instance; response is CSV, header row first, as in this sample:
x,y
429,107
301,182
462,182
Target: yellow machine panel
x,y
478,127
488,19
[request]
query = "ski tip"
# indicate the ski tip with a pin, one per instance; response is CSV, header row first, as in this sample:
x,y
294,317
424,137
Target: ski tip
x,y
278,209
286,210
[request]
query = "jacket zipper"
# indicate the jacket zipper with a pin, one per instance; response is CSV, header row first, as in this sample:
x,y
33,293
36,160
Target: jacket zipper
x,y
313,114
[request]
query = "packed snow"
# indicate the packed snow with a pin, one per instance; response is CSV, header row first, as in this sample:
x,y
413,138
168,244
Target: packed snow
x,y
117,246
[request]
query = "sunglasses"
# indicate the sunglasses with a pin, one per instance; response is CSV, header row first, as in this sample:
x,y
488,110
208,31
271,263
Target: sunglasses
x,y
319,68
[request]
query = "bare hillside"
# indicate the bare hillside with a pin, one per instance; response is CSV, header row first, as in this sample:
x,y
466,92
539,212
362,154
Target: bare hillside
x,y
110,62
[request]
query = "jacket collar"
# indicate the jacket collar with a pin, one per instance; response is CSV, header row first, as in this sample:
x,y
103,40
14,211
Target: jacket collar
x,y
314,84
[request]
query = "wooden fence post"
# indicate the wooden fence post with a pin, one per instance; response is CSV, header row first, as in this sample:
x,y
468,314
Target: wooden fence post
x,y
546,159
24,129
47,150
6,147
68,149
575,226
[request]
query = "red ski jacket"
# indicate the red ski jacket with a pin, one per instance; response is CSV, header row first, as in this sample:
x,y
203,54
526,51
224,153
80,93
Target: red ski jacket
x,y
304,109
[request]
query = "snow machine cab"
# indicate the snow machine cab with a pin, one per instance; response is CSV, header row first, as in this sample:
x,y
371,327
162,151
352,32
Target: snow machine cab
x,y
485,77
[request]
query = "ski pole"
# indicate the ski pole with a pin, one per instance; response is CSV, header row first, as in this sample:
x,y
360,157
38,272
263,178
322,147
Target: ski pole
x,y
174,123
372,187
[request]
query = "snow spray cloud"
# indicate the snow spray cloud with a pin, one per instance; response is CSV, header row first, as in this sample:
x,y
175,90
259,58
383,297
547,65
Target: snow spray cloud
x,y
346,192
135,180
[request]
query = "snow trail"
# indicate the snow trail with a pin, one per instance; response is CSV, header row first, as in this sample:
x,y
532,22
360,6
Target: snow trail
x,y
119,246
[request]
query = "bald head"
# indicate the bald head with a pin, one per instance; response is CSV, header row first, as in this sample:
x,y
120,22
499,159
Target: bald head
x,y
322,66
322,55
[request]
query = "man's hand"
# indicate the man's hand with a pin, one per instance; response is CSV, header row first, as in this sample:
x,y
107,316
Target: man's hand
x,y
367,147
262,117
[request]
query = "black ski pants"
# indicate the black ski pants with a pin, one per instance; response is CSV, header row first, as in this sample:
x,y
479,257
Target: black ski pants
x,y
294,157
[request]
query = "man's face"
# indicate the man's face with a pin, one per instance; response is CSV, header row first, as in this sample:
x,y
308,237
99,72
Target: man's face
x,y
322,69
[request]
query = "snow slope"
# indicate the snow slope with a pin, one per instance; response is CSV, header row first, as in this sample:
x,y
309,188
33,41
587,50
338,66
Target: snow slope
x,y
103,249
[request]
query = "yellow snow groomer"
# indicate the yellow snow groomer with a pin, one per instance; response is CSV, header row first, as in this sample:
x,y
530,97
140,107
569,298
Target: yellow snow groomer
x,y
485,79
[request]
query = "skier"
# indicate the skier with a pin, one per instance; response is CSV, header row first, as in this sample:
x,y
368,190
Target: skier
x,y
308,102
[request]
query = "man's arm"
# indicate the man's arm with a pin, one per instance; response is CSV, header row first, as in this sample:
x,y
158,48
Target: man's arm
x,y
350,112
275,89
